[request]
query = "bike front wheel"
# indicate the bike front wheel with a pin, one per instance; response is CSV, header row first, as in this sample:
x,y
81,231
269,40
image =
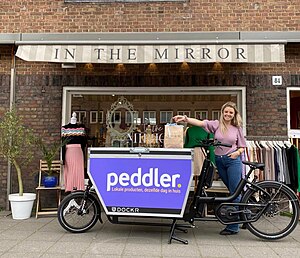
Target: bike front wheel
x,y
278,206
78,214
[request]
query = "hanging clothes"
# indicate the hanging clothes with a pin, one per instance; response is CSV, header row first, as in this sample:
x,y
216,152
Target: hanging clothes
x,y
282,162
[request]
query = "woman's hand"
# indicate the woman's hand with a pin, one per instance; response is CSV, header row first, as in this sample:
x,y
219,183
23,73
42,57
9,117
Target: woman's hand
x,y
179,118
234,154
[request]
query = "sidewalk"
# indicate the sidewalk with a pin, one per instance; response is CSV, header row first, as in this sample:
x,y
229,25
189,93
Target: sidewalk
x,y
44,237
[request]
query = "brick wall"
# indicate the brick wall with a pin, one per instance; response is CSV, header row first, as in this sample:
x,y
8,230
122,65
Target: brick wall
x,y
205,15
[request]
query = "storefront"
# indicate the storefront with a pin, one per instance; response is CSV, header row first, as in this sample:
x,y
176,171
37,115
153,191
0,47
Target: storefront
x,y
160,74
157,75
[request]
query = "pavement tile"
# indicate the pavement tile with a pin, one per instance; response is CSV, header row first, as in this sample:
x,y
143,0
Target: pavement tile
x,y
14,234
287,251
31,226
108,248
31,247
63,256
68,248
142,250
7,223
218,251
45,236
6,244
257,252
108,256
22,254
177,249
80,237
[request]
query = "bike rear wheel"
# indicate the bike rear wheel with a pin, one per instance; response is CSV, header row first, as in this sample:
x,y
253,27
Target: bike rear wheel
x,y
77,214
281,215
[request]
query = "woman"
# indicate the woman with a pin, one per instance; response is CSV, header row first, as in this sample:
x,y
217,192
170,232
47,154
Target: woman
x,y
228,129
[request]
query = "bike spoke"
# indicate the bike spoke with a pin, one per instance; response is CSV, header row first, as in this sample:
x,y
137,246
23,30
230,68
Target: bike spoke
x,y
280,214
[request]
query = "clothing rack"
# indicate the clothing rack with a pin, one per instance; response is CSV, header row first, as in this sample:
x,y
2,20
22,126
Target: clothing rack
x,y
267,138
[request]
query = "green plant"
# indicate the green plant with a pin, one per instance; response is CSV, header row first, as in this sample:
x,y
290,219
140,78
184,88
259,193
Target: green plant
x,y
50,151
16,142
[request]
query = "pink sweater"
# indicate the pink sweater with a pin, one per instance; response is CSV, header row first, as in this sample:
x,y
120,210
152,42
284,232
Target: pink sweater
x,y
234,136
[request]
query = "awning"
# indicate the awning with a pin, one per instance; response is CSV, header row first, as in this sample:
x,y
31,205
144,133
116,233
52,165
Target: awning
x,y
138,54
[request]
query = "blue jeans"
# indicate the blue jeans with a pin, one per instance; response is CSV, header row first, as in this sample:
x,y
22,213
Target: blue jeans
x,y
230,171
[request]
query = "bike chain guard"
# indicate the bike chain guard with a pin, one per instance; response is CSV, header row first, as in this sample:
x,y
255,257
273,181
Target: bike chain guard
x,y
232,213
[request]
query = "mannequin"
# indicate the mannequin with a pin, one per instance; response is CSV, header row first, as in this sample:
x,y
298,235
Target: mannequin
x,y
73,154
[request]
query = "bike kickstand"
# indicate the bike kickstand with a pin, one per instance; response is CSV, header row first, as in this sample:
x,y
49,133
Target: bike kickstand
x,y
173,236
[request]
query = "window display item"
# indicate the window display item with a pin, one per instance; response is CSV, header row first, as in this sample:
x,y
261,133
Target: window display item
x,y
173,136
73,155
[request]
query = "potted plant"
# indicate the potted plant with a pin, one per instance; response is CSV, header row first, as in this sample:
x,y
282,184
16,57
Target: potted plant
x,y
16,146
49,153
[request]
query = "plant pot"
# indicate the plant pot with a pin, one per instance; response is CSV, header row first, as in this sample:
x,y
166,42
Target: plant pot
x,y
49,181
21,206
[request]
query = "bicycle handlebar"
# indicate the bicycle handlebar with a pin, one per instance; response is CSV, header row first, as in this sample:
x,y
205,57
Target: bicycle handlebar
x,y
212,142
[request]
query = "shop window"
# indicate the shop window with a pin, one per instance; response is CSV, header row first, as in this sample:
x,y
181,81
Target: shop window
x,y
166,116
116,117
96,117
100,117
129,120
149,117
81,116
215,114
184,113
201,114
93,117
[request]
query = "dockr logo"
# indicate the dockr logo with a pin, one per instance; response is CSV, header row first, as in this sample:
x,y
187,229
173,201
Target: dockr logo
x,y
125,209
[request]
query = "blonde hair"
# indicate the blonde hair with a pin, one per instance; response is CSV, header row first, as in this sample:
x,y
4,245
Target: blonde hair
x,y
236,121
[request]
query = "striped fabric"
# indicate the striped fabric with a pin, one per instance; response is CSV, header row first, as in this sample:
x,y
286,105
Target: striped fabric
x,y
68,132
223,53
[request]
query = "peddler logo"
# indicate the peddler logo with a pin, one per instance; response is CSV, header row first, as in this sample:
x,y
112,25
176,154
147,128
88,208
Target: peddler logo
x,y
152,178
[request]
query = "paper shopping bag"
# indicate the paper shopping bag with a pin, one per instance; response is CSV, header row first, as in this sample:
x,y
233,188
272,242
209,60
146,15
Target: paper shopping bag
x,y
173,137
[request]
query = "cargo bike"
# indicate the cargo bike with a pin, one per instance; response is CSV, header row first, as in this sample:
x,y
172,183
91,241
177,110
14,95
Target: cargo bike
x,y
130,183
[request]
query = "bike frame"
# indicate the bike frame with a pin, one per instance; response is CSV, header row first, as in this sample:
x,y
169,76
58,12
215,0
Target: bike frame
x,y
200,197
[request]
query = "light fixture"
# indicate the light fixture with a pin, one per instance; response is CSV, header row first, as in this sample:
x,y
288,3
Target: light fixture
x,y
217,67
152,68
184,67
89,67
120,68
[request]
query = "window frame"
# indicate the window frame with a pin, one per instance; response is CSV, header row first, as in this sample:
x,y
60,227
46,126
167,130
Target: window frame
x,y
161,114
80,114
200,112
213,112
184,113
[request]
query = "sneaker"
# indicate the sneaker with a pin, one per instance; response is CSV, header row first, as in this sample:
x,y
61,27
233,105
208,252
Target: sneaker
x,y
226,232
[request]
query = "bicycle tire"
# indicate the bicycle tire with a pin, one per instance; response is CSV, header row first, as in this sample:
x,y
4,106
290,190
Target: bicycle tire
x,y
69,217
281,214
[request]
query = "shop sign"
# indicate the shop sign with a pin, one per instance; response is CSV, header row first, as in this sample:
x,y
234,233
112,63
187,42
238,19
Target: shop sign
x,y
251,53
156,186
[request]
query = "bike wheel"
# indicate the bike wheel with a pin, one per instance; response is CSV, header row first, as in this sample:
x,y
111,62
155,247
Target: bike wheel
x,y
281,213
77,214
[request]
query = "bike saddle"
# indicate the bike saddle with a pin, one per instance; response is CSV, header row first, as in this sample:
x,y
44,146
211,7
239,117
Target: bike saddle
x,y
254,164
